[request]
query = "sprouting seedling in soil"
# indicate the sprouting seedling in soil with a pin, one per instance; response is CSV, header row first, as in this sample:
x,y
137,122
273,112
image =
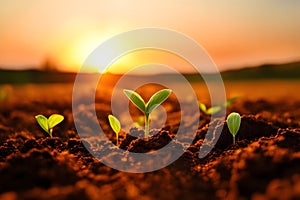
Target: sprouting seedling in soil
x,y
210,111
155,100
115,125
214,109
230,101
233,123
50,123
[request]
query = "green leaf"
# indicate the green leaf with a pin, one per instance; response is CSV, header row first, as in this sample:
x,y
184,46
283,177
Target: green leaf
x,y
157,99
114,123
136,99
54,119
43,122
230,101
234,122
202,107
213,110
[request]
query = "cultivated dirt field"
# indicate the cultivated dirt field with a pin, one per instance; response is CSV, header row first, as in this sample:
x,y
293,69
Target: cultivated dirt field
x,y
263,164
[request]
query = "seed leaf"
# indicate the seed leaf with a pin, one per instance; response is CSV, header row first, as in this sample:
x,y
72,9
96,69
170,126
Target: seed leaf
x,y
234,122
136,99
43,122
114,123
202,107
213,110
54,119
157,99
231,101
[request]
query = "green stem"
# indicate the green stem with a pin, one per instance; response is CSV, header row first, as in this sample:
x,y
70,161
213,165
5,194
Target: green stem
x,y
50,132
233,139
117,138
146,126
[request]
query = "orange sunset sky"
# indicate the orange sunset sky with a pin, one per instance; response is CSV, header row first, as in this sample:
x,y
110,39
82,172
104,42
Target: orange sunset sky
x,y
235,33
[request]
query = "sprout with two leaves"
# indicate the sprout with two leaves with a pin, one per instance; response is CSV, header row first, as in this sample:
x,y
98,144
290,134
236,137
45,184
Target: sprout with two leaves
x,y
50,123
155,100
209,111
214,109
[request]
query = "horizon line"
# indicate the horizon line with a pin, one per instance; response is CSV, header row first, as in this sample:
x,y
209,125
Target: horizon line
x,y
36,68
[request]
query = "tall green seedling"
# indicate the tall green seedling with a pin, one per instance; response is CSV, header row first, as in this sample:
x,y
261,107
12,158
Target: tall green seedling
x,y
50,123
233,123
155,100
115,125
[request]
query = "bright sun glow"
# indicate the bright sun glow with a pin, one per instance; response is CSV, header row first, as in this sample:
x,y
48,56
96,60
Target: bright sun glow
x,y
83,48
86,45
76,55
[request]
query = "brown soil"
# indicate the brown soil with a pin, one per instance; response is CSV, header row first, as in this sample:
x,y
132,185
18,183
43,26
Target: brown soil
x,y
263,164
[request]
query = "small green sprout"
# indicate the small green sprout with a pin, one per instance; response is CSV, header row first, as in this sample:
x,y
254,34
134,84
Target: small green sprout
x,y
115,125
155,100
211,110
230,101
233,123
3,95
214,109
50,123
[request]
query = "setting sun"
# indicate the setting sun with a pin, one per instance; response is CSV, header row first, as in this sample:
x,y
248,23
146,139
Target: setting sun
x,y
82,48
138,58
76,54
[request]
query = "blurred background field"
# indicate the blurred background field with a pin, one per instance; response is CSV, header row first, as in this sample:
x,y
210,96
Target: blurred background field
x,y
269,89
